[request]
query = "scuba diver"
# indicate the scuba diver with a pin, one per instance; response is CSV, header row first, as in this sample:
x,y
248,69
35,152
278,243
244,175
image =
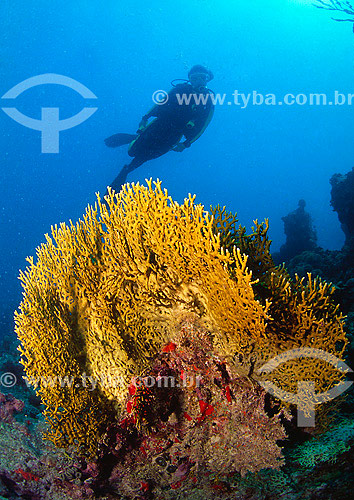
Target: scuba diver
x,y
185,111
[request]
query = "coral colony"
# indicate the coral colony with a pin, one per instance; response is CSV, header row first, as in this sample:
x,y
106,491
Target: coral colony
x,y
143,330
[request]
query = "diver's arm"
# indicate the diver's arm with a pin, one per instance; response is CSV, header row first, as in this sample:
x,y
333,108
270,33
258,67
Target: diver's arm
x,y
193,133
153,112
163,107
157,108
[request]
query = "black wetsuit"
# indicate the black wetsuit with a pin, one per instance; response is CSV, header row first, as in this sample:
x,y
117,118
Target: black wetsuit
x,y
186,113
183,114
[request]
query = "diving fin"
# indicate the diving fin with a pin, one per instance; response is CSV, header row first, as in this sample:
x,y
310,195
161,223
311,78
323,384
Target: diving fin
x,y
117,140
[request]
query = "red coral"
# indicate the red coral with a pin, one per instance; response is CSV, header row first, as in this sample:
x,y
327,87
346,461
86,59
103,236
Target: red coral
x,y
170,347
28,476
205,409
228,393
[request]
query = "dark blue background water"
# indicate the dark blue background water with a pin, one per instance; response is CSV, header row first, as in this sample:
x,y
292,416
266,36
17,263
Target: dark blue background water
x,y
258,161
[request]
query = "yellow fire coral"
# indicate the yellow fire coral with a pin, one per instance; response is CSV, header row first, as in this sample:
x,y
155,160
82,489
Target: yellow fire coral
x,y
104,295
301,314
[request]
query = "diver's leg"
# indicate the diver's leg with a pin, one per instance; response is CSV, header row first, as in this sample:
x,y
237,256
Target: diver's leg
x,y
135,163
121,178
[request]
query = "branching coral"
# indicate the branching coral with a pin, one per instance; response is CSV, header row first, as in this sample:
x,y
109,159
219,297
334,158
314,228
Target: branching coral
x,y
101,298
161,259
302,314
343,7
104,297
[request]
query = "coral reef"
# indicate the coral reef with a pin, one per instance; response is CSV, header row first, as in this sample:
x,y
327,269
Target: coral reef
x,y
150,290
101,300
34,470
328,447
302,313
206,425
161,457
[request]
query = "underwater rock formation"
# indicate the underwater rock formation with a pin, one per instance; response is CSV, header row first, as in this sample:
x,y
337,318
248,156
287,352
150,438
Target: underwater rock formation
x,y
342,201
336,266
299,231
149,289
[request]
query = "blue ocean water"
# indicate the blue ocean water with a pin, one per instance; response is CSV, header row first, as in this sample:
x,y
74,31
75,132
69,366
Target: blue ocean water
x,y
258,161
